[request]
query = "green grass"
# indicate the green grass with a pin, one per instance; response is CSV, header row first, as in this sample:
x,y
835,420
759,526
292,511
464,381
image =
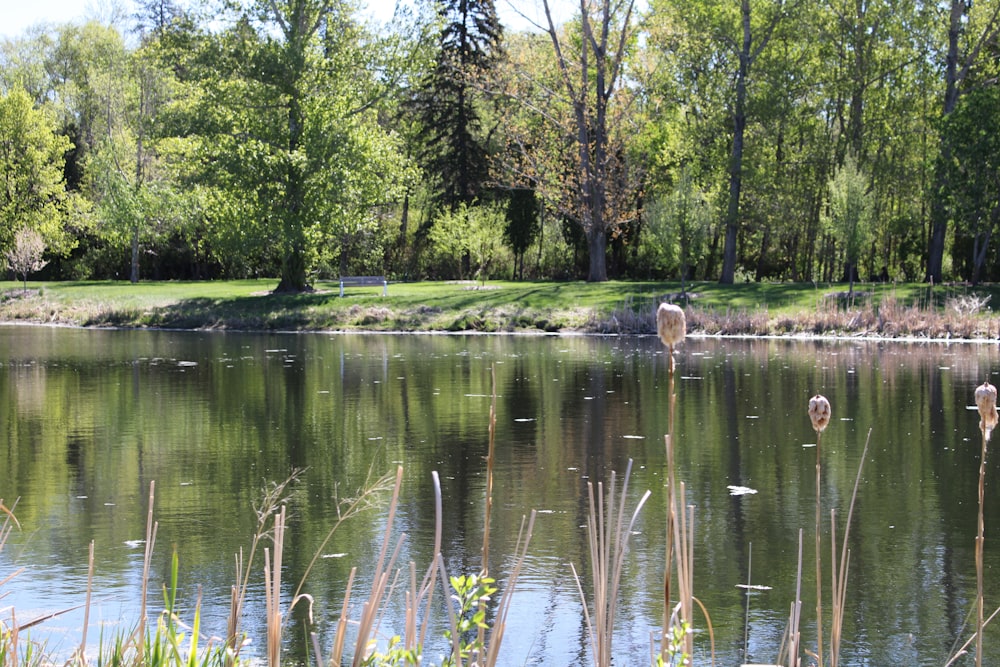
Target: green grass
x,y
610,307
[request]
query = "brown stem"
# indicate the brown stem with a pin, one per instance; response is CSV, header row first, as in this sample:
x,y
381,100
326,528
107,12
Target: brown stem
x,y
819,572
979,557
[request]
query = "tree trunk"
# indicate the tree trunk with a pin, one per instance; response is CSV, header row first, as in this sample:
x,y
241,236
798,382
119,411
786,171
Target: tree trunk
x,y
736,156
953,76
597,244
134,271
293,272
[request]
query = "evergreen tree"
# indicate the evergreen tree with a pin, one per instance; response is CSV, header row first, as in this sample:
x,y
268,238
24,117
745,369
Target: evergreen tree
x,y
454,147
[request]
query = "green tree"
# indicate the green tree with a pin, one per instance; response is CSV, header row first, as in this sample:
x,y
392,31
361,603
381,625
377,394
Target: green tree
x,y
970,28
469,231
523,225
972,132
850,214
31,172
287,123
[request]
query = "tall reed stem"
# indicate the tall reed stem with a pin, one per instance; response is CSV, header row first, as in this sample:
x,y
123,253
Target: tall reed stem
x,y
819,568
839,576
980,537
147,559
488,514
608,535
671,506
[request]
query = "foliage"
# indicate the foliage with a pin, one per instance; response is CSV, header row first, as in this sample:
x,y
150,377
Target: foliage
x,y
26,254
32,193
523,224
677,230
469,231
298,157
850,216
972,131
292,139
453,146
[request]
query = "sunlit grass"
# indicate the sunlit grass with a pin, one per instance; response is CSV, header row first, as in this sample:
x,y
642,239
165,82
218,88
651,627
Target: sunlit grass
x,y
886,310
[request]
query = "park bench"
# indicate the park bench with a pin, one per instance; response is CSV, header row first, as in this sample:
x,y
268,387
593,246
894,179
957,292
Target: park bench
x,y
364,281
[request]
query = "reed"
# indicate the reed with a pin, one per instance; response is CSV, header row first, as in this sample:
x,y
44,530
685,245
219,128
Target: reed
x,y
608,531
272,498
819,414
839,576
986,402
671,328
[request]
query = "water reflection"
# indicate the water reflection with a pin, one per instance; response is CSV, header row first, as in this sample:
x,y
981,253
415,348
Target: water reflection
x,y
90,418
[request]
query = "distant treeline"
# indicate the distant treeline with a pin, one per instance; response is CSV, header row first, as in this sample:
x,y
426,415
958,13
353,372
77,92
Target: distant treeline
x,y
692,139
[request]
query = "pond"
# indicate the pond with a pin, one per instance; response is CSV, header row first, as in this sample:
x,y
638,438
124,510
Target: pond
x,y
91,418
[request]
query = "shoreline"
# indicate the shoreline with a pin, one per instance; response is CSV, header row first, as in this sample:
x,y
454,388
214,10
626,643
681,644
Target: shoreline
x,y
906,314
793,337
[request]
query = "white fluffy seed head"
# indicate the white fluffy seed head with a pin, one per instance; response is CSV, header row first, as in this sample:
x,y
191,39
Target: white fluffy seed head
x,y
986,401
819,412
670,324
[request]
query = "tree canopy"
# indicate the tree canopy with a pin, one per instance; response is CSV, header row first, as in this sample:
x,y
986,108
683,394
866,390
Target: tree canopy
x,y
299,139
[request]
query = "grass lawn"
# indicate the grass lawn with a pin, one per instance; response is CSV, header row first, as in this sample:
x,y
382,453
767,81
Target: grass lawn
x,y
610,307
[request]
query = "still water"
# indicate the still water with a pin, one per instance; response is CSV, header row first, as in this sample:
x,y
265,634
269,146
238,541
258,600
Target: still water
x,y
88,419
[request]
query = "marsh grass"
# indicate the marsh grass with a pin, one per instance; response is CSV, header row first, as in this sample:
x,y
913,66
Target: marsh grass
x,y
608,529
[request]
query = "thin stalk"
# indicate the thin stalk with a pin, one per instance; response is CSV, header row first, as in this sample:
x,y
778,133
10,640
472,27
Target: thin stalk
x,y
380,581
273,497
82,658
489,496
147,559
500,622
684,532
607,536
792,634
980,538
840,576
819,568
961,651
671,517
272,591
746,618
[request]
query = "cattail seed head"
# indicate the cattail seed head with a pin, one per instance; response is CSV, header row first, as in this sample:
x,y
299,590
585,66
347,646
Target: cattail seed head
x,y
986,401
670,324
819,412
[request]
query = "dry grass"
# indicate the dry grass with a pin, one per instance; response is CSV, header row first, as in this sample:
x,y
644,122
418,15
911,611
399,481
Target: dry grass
x,y
963,317
608,531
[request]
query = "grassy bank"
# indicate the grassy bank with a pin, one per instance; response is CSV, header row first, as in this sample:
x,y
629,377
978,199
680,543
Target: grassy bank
x,y
886,310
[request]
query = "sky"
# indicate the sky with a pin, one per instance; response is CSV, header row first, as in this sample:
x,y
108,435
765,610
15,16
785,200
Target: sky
x,y
18,15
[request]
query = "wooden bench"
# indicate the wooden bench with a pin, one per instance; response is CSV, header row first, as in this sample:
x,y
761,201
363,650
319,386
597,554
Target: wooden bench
x,y
364,281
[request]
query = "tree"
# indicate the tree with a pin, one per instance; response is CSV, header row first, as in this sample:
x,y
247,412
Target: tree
x,y
523,225
969,32
454,144
972,133
26,254
591,67
747,51
288,129
31,172
136,197
850,213
469,231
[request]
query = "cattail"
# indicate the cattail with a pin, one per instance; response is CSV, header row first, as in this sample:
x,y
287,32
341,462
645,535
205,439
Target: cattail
x,y
670,324
819,412
986,401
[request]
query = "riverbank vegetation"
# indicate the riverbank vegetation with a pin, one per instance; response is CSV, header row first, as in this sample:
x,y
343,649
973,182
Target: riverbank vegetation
x,y
880,310
305,140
